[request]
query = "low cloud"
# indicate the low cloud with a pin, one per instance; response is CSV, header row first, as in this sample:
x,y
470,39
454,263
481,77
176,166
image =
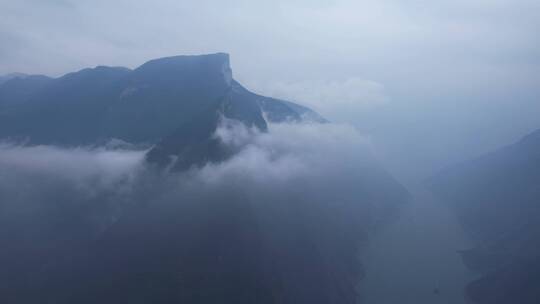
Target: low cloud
x,y
290,151
84,168
309,194
323,160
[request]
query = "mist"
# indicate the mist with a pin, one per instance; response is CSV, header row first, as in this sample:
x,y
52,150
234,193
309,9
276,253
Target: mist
x,y
416,182
316,182
319,159
453,74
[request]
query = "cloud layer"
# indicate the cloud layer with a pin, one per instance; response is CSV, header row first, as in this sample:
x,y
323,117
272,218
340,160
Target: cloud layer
x,y
301,194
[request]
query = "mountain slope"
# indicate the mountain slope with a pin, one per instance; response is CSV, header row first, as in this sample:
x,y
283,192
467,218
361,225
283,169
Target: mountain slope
x,y
497,198
14,91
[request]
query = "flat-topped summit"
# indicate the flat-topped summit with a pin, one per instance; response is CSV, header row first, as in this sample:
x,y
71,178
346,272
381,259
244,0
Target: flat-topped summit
x,y
152,104
209,69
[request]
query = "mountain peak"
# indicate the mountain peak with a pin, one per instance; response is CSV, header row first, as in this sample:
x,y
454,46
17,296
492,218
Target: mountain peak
x,y
211,68
532,139
5,78
182,59
153,103
99,72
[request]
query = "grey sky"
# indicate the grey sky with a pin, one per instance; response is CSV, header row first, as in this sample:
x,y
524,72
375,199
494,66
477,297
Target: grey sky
x,y
452,78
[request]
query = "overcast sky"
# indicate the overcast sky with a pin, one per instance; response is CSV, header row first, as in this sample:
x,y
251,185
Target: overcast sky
x,y
462,77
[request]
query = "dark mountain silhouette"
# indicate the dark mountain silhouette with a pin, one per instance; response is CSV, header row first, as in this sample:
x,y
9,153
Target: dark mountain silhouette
x,y
174,103
144,105
497,198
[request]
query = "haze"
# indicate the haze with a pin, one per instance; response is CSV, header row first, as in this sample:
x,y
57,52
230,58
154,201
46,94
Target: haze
x,y
382,151
465,68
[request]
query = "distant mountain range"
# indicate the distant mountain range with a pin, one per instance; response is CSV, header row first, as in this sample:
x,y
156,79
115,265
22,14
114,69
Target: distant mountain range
x,y
497,198
169,103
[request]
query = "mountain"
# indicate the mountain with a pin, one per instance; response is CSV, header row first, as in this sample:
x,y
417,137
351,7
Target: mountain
x,y
141,106
145,239
171,103
4,78
497,199
15,90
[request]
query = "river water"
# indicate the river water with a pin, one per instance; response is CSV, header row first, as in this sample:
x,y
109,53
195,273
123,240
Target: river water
x,y
415,260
